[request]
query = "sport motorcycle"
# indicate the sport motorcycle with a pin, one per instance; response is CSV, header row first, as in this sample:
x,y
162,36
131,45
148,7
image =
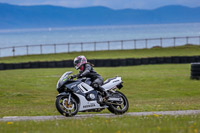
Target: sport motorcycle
x,y
79,96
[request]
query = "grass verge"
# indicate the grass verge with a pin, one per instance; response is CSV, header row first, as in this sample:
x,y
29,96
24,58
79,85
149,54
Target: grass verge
x,y
124,124
188,50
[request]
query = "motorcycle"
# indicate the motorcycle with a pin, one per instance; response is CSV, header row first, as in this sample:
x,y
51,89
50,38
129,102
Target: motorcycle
x,y
78,96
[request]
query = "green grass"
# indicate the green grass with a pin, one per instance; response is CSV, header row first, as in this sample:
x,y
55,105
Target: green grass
x,y
188,50
32,92
125,124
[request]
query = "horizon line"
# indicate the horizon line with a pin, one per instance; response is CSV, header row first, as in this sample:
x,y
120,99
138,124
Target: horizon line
x,y
29,5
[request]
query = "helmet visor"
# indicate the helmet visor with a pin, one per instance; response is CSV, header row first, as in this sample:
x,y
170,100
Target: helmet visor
x,y
77,63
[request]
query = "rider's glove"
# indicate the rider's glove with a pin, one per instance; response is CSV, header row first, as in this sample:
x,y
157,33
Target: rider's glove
x,y
73,76
79,75
76,76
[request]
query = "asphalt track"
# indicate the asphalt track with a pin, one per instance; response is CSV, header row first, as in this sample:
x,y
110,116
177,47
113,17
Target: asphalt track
x,y
41,118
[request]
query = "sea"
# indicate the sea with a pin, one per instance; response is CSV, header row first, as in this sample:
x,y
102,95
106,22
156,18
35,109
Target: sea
x,y
15,42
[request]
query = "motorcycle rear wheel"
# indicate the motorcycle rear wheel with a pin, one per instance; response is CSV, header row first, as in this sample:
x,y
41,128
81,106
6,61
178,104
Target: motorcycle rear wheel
x,y
119,109
66,109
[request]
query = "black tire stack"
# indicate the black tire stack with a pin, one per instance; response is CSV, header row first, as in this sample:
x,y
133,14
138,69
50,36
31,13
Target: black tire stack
x,y
195,71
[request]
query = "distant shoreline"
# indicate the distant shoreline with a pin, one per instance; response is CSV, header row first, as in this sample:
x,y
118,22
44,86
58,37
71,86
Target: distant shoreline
x,y
83,27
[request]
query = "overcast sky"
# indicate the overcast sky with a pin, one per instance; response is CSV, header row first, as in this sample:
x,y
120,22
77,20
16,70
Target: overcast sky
x,y
115,4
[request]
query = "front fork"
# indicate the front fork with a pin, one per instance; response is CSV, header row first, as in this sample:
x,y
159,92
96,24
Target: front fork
x,y
69,99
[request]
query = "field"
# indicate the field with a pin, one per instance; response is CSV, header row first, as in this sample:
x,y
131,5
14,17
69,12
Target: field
x,y
188,50
32,92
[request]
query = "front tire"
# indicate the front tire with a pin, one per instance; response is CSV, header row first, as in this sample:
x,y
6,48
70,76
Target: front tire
x,y
66,109
119,108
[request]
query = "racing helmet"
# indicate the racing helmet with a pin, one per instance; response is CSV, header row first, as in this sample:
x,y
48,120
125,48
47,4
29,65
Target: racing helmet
x,y
79,61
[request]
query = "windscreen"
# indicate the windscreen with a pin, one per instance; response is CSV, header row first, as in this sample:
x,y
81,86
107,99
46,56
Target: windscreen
x,y
63,79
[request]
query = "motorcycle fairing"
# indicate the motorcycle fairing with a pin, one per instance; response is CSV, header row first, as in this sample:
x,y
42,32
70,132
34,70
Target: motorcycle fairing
x,y
85,88
73,86
112,83
87,105
63,79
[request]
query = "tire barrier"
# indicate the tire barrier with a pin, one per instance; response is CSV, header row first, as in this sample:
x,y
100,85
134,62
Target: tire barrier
x,y
195,71
111,63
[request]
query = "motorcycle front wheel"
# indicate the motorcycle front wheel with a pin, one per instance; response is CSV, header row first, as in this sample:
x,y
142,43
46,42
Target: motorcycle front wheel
x,y
119,108
66,108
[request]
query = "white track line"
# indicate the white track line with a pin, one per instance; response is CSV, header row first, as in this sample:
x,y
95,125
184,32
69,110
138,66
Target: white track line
x,y
25,118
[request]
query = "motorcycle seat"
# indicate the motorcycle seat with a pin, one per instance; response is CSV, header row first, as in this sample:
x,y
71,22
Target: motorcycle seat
x,y
108,80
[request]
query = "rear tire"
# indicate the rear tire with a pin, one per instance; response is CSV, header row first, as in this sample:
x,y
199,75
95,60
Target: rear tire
x,y
119,109
66,109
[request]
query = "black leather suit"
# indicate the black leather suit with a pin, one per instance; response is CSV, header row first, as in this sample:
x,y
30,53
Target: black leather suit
x,y
89,72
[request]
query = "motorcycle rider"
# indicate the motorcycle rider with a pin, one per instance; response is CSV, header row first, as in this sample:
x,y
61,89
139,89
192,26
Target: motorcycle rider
x,y
86,70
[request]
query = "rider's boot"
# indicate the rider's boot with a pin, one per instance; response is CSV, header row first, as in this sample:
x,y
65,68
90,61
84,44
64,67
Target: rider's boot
x,y
102,90
105,93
